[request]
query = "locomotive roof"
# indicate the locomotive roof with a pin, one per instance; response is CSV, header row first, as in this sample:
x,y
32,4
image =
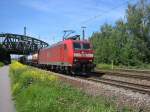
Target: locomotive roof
x,y
59,43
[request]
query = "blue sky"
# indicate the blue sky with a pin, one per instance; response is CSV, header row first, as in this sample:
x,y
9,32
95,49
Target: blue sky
x,y
46,19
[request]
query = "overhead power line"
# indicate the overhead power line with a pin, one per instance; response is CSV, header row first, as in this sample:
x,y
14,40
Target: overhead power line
x,y
106,12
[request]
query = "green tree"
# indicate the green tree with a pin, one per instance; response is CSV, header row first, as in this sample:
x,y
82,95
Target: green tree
x,y
128,42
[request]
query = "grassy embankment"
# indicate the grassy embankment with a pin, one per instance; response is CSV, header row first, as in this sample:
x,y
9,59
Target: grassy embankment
x,y
109,67
1,64
36,91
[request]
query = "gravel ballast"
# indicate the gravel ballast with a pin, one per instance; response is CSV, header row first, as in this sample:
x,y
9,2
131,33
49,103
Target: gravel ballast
x,y
121,97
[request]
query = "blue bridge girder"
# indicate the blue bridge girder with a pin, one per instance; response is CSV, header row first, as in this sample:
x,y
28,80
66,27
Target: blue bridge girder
x,y
20,44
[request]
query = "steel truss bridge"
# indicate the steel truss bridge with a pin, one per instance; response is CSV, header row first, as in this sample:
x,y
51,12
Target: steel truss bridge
x,y
19,44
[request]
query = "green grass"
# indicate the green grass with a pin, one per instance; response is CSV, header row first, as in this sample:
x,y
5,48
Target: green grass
x,y
1,64
105,66
109,67
36,91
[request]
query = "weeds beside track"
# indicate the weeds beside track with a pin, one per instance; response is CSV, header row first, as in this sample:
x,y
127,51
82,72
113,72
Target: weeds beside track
x,y
37,91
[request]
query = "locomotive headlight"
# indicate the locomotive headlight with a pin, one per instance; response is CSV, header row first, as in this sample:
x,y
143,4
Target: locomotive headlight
x,y
89,55
77,55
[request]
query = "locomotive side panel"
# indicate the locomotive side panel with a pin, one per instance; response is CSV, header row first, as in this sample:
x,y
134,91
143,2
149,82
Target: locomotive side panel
x,y
61,55
68,53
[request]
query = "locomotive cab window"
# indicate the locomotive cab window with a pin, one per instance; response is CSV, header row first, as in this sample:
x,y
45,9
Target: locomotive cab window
x,y
86,46
77,46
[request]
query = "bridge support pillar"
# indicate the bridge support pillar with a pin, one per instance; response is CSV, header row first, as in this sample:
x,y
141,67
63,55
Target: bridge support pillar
x,y
5,56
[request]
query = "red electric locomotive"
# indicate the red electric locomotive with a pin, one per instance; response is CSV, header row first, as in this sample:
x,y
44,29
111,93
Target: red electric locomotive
x,y
71,54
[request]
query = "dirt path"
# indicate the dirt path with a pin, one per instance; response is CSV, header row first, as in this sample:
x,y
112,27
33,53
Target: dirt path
x,y
6,103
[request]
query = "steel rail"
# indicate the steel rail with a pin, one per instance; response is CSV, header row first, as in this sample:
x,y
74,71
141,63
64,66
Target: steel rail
x,y
126,85
143,77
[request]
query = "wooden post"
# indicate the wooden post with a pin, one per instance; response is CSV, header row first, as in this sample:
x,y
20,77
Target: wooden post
x,y
112,64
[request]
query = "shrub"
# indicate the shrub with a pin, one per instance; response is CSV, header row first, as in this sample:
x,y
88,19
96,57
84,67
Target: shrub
x,y
105,66
1,64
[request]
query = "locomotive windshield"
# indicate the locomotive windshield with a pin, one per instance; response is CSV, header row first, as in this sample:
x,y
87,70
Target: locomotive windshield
x,y
86,46
81,46
77,46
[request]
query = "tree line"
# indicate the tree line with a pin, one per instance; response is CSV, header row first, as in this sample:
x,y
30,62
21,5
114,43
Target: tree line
x,y
128,41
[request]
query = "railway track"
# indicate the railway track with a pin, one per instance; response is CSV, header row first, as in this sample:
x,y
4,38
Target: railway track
x,y
144,89
124,74
141,88
96,77
134,71
127,70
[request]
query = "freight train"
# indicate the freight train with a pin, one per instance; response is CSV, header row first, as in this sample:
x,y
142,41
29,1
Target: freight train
x,y
71,55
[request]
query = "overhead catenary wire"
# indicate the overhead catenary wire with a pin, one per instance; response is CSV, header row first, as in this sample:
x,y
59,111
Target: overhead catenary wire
x,y
105,12
84,22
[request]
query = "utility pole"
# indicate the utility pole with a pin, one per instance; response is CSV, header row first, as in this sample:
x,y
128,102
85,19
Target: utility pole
x,y
25,31
39,37
83,32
